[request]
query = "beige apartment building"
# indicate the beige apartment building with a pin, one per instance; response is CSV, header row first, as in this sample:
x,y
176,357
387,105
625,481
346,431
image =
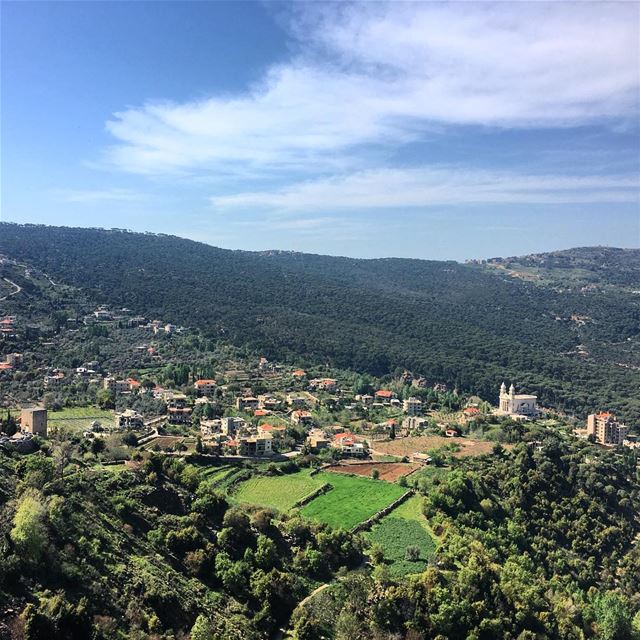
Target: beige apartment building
x,y
606,428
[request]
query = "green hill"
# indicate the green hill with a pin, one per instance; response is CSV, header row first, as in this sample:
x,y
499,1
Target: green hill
x,y
470,326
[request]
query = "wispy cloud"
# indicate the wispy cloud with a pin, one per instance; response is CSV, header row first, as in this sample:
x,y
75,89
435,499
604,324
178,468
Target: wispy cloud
x,y
382,74
428,186
87,196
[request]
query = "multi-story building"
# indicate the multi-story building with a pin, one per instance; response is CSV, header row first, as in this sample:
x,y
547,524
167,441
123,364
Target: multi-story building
x,y
54,380
301,417
130,419
179,415
256,446
414,422
34,421
318,440
204,387
115,386
324,384
269,402
246,402
230,425
606,428
412,406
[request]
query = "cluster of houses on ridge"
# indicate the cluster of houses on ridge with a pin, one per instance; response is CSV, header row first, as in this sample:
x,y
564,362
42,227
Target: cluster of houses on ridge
x,y
293,406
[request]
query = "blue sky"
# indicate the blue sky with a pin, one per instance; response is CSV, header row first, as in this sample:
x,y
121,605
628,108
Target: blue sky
x,y
428,130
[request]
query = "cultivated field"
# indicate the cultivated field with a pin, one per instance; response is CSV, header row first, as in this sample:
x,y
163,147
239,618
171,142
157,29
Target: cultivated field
x,y
214,474
405,526
278,492
351,500
79,418
407,446
162,442
388,471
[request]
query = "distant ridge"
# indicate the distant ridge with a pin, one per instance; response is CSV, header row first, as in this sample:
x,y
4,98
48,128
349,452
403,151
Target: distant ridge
x,y
469,325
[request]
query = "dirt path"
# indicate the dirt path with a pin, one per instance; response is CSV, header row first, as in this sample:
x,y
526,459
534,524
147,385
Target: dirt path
x,y
13,293
322,587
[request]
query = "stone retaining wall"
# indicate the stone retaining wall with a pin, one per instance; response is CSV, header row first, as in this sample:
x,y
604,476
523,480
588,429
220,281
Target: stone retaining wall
x,y
312,496
363,526
320,468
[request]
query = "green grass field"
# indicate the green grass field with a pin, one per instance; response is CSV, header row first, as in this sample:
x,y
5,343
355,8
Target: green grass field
x,y
278,492
351,500
405,526
79,418
214,473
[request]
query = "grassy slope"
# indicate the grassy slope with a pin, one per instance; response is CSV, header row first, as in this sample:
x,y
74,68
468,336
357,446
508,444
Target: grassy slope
x,y
351,500
278,492
79,418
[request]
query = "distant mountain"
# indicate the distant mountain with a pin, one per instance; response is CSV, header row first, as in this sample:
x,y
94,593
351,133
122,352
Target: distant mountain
x,y
606,266
565,325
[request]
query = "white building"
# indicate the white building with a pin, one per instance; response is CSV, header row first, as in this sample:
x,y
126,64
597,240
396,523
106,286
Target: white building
x,y
412,406
517,404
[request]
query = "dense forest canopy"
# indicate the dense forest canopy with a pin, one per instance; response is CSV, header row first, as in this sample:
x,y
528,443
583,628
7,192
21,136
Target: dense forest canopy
x,y
545,323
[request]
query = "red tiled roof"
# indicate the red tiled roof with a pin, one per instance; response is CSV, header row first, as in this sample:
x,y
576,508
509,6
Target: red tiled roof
x,y
471,411
299,372
261,412
383,393
271,427
200,383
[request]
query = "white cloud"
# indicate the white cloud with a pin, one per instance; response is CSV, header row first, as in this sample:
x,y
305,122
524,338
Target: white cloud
x,y
86,196
383,73
428,186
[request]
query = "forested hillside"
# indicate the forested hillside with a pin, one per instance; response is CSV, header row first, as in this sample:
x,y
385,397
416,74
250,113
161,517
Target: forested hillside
x,y
467,325
152,552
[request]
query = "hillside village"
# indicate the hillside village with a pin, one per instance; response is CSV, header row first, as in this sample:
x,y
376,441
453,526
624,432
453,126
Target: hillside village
x,y
256,408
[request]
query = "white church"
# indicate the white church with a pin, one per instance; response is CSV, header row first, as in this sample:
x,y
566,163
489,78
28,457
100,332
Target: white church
x,y
520,406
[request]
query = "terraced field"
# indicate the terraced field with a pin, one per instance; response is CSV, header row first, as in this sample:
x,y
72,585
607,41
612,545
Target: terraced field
x,y
404,527
215,473
278,492
351,500
79,418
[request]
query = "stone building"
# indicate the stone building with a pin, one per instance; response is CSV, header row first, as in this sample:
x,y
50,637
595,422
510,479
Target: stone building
x,y
34,421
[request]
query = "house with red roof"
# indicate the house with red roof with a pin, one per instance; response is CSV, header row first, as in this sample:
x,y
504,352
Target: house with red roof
x,y
276,430
204,386
348,445
384,395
